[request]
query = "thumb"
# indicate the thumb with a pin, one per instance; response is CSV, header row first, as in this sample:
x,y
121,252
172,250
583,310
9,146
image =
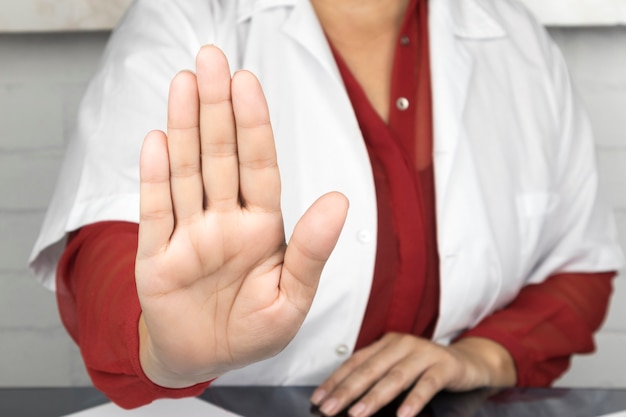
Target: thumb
x,y
311,244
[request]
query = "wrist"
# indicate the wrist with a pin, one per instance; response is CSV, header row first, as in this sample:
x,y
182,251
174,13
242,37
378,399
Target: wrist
x,y
493,365
156,371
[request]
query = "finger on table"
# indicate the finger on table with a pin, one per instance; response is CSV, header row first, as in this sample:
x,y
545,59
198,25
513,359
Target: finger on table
x,y
346,368
396,380
358,375
433,380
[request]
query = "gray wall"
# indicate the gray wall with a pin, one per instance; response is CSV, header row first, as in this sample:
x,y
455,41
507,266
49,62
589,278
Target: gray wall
x,y
41,80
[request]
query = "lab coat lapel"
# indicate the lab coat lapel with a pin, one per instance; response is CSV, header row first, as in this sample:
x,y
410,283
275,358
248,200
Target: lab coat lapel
x,y
304,28
452,23
301,26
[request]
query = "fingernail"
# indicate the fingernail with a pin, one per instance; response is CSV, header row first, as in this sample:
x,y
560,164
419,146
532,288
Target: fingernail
x,y
406,411
330,407
318,396
357,410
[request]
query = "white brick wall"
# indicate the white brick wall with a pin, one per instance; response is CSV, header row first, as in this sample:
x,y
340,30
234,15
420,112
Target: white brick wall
x,y
41,80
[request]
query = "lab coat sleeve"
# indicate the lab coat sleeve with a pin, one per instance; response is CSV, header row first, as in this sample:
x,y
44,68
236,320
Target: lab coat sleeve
x,y
579,231
569,286
125,99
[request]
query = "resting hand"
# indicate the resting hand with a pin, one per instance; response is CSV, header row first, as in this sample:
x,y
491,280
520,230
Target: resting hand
x,y
218,286
380,372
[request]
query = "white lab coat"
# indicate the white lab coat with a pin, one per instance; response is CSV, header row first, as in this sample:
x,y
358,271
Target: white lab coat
x,y
515,176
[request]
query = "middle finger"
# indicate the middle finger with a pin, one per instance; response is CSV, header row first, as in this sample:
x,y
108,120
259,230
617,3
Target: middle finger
x,y
217,130
183,147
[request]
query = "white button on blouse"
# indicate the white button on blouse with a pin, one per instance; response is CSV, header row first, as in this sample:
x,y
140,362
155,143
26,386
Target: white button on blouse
x,y
402,103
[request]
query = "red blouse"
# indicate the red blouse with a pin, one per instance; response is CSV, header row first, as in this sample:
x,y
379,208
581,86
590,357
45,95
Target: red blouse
x,y
541,328
405,290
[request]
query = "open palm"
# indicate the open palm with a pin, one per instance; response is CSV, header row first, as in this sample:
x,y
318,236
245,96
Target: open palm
x,y
218,285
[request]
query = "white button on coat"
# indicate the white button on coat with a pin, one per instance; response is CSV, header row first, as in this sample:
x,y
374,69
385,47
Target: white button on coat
x,y
342,350
364,236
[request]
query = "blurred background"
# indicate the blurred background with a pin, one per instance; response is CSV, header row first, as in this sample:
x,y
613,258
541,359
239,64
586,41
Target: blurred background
x,y
50,48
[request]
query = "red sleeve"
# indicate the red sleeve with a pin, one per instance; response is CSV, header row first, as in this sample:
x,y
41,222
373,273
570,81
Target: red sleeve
x,y
99,306
548,322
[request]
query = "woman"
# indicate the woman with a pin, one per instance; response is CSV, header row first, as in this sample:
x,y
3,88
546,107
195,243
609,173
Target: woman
x,y
476,251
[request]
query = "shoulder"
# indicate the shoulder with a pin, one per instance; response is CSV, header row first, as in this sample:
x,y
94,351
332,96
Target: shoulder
x,y
180,15
520,24
525,43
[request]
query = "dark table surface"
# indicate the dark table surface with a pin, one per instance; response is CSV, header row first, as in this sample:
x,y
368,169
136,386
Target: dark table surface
x,y
293,402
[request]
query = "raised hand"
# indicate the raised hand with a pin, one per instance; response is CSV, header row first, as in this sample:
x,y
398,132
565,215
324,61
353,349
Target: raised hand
x,y
219,287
